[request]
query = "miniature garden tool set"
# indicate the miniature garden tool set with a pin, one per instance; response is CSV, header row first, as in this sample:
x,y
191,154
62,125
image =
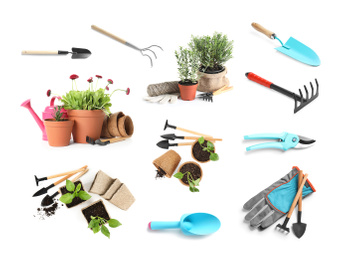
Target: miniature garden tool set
x,y
77,53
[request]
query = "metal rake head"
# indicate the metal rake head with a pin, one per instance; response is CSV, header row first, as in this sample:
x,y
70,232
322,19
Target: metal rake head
x,y
206,96
304,101
149,52
90,140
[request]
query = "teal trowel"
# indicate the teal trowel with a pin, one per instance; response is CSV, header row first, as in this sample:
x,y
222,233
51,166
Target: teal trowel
x,y
293,48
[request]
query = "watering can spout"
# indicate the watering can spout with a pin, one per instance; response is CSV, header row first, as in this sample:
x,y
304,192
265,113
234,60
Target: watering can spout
x,y
27,104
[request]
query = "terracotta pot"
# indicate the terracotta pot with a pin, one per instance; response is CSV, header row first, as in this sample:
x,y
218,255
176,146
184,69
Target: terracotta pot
x,y
193,156
58,132
190,162
210,82
86,123
187,92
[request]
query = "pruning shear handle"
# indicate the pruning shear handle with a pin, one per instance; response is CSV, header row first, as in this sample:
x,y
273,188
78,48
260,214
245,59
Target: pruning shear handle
x,y
285,141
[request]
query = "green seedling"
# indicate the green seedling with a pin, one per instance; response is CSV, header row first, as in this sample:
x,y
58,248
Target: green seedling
x,y
74,192
209,148
98,224
57,114
192,182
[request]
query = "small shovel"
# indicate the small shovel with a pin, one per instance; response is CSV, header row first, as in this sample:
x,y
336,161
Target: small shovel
x,y
165,144
77,53
173,137
191,224
167,125
293,48
299,228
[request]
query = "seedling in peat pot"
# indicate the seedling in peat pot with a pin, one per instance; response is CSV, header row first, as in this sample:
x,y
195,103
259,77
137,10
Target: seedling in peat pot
x,y
192,182
74,192
98,224
209,148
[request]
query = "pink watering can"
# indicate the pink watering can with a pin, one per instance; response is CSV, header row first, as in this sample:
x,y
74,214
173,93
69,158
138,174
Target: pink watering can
x,y
47,114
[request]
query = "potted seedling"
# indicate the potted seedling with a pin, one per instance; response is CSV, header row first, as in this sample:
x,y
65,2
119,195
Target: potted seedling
x,y
190,174
213,52
204,151
73,194
188,64
97,216
58,128
87,108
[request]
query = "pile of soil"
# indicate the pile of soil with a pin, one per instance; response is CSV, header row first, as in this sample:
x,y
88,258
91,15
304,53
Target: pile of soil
x,y
198,152
47,212
76,200
95,210
160,173
193,169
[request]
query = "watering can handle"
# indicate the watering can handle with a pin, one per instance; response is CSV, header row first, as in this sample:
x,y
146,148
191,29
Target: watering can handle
x,y
100,30
261,29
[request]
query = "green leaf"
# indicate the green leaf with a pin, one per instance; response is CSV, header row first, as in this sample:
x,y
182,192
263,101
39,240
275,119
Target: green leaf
x,y
66,198
78,188
105,231
84,195
92,223
114,223
96,229
210,146
196,182
214,157
205,149
179,175
201,140
70,186
191,184
193,189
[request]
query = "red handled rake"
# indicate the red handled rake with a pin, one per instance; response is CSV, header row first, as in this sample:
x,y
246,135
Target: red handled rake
x,y
300,100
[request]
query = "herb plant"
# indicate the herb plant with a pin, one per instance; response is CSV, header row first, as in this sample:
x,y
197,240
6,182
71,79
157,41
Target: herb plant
x,y
73,193
90,99
188,64
98,224
192,182
57,114
213,51
209,148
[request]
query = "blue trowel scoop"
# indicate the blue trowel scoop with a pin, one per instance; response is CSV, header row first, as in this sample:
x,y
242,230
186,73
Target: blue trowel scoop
x,y
191,224
293,48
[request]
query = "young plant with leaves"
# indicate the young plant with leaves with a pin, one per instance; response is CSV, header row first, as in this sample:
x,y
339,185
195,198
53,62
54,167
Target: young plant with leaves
x,y
213,51
73,193
188,64
98,224
57,114
192,182
209,148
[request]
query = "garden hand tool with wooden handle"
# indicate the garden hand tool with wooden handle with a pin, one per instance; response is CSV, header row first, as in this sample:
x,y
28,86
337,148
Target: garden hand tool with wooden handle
x,y
48,200
303,101
77,53
274,202
167,125
173,137
209,95
165,144
299,228
143,51
58,175
293,48
284,227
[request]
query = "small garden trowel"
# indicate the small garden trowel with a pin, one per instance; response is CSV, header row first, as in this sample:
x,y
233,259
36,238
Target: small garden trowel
x,y
77,53
293,48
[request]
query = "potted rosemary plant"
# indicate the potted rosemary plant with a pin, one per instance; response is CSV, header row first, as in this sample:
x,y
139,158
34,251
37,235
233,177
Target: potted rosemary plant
x,y
87,108
213,52
188,65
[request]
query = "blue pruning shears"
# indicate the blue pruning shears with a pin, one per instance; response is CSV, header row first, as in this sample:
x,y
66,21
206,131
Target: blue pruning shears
x,y
285,141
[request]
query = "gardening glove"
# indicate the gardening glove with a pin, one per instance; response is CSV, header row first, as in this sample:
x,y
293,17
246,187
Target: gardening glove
x,y
163,99
275,201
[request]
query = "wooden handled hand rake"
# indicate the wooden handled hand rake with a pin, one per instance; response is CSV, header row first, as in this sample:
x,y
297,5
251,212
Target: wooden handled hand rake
x,y
303,101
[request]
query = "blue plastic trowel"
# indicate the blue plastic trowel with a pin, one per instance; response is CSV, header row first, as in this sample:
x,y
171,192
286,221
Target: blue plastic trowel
x,y
198,224
293,48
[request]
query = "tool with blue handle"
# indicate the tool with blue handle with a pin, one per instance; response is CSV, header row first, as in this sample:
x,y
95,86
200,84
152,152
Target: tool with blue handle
x,y
285,141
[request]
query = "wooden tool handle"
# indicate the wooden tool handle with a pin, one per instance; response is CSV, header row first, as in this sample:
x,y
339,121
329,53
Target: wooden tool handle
x,y
96,28
297,196
115,139
192,132
66,173
79,175
261,29
63,179
181,144
40,52
223,90
299,184
197,137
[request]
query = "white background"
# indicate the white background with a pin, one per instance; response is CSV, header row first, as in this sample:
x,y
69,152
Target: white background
x,y
248,109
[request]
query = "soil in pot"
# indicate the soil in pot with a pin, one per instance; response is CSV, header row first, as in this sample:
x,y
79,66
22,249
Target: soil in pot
x,y
187,90
97,209
216,69
194,169
76,200
199,154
